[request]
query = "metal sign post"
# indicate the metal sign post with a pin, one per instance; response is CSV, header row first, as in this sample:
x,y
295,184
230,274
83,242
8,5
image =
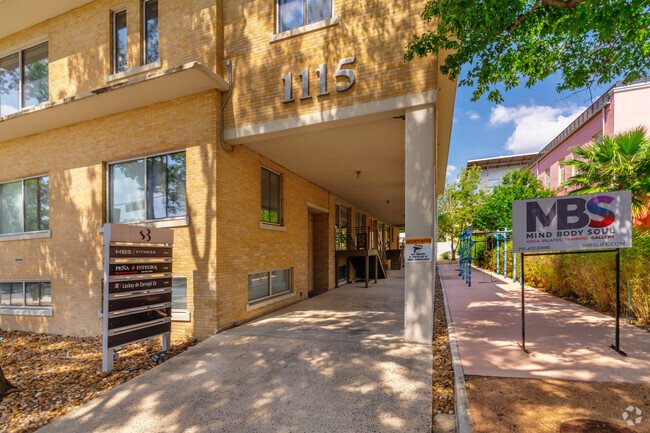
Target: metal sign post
x,y
137,290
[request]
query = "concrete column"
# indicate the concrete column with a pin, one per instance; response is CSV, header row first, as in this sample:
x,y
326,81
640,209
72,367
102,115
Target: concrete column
x,y
420,222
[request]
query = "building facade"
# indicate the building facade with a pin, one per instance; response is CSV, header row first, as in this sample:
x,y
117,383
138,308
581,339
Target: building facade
x,y
266,134
493,169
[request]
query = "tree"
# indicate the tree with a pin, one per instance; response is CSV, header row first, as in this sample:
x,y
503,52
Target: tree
x,y
5,386
456,205
509,42
615,163
496,210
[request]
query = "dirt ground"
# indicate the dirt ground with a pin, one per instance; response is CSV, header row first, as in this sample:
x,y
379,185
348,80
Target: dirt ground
x,y
53,374
507,405
443,371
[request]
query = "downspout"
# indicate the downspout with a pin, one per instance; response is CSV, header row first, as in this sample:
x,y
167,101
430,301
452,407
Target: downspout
x,y
223,106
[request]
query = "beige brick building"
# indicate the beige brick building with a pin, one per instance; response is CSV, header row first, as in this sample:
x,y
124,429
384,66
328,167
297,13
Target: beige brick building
x,y
283,142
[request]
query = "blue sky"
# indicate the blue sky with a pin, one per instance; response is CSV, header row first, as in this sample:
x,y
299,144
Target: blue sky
x,y
526,121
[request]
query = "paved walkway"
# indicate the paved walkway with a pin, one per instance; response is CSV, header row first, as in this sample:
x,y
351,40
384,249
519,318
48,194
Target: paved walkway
x,y
565,340
334,363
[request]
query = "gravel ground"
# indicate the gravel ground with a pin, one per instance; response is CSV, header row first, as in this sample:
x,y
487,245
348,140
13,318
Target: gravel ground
x,y
539,406
53,374
443,372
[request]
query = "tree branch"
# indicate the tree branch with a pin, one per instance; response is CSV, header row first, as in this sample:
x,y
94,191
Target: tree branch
x,y
563,4
524,16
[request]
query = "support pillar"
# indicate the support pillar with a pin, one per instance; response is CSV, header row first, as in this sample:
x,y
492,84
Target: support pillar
x,y
420,222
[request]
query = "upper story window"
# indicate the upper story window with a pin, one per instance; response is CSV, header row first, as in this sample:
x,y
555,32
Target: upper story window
x,y
147,189
119,41
24,79
150,15
271,197
25,206
548,178
297,13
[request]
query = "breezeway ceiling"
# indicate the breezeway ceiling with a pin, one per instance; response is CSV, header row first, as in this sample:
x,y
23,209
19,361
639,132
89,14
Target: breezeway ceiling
x,y
16,15
332,157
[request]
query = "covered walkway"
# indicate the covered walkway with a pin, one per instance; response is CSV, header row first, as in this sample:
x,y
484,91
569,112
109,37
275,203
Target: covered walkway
x,y
333,363
566,341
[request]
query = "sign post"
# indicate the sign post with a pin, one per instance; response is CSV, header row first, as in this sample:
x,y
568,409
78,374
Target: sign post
x,y
587,223
137,290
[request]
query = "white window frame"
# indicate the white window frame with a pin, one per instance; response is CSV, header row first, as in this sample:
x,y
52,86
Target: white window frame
x,y
20,52
274,295
23,180
146,185
27,310
181,314
280,222
333,19
144,33
114,40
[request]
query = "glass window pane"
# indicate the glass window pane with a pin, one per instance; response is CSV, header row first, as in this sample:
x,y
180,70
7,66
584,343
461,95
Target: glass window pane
x,y
176,191
16,293
280,281
318,10
9,85
127,192
157,187
274,198
11,207
5,293
266,197
119,42
35,66
179,294
32,294
258,285
46,294
31,205
151,31
291,14
44,203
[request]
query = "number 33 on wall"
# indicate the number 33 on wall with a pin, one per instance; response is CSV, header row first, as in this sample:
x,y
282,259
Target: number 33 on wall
x,y
322,74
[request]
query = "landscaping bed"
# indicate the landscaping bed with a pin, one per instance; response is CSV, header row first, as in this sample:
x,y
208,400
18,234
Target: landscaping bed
x,y
443,372
53,374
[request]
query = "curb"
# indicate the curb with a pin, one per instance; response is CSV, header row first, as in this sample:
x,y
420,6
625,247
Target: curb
x,y
464,423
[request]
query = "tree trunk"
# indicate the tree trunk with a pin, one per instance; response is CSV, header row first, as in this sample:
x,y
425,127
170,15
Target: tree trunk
x,y
5,386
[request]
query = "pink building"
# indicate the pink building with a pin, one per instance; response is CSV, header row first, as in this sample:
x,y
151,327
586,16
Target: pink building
x,y
623,107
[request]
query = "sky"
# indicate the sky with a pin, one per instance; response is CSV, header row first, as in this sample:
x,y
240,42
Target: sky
x,y
526,121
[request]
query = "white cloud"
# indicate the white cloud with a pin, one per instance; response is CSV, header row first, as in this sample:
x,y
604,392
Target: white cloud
x,y
473,115
7,109
450,169
535,125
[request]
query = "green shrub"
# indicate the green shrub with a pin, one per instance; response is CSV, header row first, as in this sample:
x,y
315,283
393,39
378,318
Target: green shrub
x,y
445,255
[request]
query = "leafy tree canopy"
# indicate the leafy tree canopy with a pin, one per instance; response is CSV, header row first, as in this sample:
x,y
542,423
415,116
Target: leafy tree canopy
x,y
614,163
513,42
496,210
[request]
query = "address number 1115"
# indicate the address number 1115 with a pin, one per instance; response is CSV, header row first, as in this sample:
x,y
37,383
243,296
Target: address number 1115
x,y
322,75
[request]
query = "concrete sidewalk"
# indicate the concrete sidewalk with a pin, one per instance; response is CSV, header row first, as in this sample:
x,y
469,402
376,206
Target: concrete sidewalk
x,y
334,363
565,340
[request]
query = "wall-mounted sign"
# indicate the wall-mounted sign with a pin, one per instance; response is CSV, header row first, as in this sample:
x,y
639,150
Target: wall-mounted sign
x,y
418,250
135,307
341,72
574,222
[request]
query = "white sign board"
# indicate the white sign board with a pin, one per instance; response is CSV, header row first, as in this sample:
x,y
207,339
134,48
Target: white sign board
x,y
574,222
418,250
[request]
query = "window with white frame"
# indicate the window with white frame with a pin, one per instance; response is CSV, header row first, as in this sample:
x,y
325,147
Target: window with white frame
x,y
150,24
271,197
179,294
25,206
26,294
147,189
576,170
548,178
24,79
265,284
296,13
119,42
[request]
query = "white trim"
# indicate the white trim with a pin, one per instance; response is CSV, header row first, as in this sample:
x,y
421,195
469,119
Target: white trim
x,y
321,119
160,224
270,226
26,311
318,209
254,305
25,236
181,316
134,71
275,37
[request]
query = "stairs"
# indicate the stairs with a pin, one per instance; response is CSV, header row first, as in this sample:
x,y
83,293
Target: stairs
x,y
359,265
396,258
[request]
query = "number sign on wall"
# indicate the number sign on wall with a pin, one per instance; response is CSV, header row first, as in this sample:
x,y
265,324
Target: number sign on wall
x,y
341,71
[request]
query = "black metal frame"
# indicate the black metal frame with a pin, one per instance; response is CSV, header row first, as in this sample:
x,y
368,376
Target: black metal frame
x,y
616,347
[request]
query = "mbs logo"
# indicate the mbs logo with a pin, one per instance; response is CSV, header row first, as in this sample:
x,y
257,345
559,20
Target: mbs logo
x,y
579,210
146,235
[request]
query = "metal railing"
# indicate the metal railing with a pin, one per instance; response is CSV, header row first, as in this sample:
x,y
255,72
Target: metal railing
x,y
356,238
